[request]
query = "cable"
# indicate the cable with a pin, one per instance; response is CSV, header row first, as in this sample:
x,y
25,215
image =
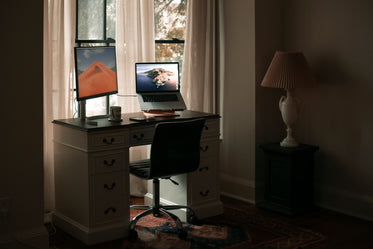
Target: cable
x,y
126,95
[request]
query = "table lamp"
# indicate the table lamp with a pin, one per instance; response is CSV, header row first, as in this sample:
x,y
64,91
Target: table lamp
x,y
289,70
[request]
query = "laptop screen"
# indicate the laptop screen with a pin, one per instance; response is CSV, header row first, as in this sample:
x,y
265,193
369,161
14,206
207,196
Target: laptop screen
x,y
157,77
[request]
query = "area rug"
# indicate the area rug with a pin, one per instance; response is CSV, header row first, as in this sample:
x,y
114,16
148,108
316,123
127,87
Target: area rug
x,y
237,228
233,230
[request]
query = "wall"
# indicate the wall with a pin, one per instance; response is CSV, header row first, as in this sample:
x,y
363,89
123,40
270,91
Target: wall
x,y
21,178
269,127
337,115
238,144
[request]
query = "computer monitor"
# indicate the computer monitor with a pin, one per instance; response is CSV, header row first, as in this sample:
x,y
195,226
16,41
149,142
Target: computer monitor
x,y
96,72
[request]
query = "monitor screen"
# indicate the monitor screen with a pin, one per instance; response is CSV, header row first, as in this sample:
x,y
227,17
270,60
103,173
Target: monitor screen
x,y
157,77
96,73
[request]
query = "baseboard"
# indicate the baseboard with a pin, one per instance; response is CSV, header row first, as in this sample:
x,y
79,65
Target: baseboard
x,y
237,188
95,235
353,204
31,238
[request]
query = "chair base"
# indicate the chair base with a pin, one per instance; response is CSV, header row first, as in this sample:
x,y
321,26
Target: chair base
x,y
157,211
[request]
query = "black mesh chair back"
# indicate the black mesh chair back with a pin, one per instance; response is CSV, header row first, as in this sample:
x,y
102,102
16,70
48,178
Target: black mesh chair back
x,y
175,148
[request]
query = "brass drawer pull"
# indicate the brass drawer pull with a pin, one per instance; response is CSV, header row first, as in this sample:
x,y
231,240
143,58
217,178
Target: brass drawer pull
x,y
113,209
109,164
111,187
204,149
108,142
204,194
138,138
203,168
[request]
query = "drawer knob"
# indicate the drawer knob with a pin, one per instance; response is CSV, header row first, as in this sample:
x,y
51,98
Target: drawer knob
x,y
109,164
108,142
203,168
204,149
204,194
138,138
109,187
112,209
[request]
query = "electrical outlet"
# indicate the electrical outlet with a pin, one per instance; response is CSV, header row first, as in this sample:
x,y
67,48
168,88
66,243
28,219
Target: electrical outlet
x,y
4,209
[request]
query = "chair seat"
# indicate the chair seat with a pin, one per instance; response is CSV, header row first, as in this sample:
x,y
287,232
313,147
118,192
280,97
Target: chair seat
x,y
140,168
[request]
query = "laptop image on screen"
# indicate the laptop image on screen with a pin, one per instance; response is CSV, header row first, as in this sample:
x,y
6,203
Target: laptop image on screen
x,y
158,86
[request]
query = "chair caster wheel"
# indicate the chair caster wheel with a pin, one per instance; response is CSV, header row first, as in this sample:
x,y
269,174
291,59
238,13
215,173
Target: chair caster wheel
x,y
132,234
183,234
192,219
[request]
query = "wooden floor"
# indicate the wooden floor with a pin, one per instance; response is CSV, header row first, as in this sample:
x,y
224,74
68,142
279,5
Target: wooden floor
x,y
342,231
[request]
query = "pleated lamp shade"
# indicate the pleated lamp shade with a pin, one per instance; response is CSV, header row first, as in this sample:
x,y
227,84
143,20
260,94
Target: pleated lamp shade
x,y
288,70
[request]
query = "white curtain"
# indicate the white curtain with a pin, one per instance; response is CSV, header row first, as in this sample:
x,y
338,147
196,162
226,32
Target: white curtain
x,y
59,28
199,74
134,43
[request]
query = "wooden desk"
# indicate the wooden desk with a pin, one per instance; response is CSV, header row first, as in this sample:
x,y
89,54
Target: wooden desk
x,y
92,175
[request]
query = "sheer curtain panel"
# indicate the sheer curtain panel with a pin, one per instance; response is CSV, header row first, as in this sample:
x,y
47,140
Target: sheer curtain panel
x,y
59,28
200,82
134,43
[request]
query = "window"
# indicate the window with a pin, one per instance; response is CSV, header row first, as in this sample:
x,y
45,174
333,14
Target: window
x,y
169,22
96,24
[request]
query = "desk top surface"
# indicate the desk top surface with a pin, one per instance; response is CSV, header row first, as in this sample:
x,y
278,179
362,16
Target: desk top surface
x,y
104,123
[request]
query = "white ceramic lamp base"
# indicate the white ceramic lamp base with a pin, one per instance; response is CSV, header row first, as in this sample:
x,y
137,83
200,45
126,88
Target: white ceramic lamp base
x,y
289,110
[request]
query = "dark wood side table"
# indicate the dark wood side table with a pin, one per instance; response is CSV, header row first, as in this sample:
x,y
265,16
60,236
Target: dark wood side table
x,y
288,178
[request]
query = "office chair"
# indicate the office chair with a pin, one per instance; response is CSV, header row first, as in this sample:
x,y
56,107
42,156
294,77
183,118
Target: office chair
x,y
175,150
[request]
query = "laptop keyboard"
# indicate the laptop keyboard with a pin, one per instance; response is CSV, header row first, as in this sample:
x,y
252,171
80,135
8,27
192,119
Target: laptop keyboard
x,y
160,98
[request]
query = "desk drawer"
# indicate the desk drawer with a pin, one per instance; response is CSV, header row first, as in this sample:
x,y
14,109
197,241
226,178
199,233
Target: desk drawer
x,y
109,186
202,182
108,161
107,141
141,136
105,212
203,190
209,148
210,129
109,196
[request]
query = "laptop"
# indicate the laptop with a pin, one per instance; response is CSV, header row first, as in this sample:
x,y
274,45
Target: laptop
x,y
158,86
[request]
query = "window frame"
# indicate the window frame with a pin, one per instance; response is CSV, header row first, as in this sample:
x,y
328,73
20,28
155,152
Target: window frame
x,y
108,41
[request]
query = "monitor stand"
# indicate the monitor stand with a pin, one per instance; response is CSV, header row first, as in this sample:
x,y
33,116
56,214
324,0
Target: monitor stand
x,y
83,117
160,114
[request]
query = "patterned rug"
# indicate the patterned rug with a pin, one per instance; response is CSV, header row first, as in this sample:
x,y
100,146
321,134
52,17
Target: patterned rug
x,y
229,231
237,228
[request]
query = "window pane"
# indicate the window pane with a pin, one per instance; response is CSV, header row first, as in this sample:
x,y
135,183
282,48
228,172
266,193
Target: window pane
x,y
111,18
90,19
165,52
169,19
